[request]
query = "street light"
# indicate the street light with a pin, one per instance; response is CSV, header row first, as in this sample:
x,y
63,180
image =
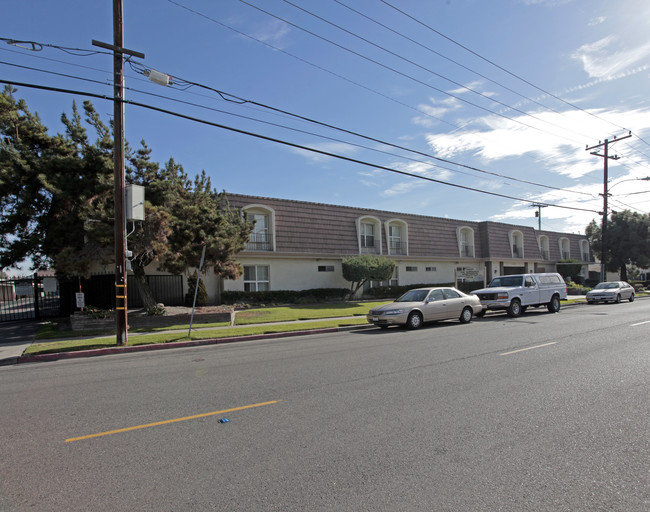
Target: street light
x,y
647,178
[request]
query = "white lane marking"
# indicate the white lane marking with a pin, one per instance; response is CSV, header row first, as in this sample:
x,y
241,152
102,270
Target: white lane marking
x,y
529,348
640,323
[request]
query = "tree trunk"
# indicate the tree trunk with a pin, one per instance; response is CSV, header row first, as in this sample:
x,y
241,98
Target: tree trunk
x,y
623,272
148,300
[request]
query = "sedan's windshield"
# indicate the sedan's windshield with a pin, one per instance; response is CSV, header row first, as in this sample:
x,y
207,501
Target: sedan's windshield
x,y
605,286
413,296
505,281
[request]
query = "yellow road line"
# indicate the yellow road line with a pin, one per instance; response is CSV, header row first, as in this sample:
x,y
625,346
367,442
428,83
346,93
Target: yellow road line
x,y
175,420
529,348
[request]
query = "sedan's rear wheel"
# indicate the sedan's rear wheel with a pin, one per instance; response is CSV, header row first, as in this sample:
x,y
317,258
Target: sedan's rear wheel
x,y
414,321
466,316
632,298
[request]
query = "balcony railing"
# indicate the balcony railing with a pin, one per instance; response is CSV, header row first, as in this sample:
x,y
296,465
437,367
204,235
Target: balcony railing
x,y
517,252
545,254
369,246
260,242
566,255
397,247
467,251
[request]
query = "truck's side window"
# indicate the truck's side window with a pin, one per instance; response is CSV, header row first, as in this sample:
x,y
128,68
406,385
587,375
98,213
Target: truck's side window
x,y
530,282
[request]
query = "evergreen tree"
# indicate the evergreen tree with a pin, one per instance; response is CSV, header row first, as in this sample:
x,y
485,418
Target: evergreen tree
x,y
628,241
57,207
366,267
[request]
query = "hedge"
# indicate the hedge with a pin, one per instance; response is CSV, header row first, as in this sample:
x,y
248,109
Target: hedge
x,y
285,296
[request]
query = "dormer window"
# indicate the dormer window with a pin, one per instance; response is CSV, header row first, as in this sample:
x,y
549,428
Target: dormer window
x,y
565,251
544,247
516,244
369,232
584,250
397,235
261,238
465,237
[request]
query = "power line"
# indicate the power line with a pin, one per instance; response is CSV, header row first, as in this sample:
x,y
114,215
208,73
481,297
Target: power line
x,y
289,144
505,70
405,75
235,99
328,71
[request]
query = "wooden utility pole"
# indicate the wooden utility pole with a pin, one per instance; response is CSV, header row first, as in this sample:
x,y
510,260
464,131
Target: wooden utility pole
x,y
121,325
603,235
538,214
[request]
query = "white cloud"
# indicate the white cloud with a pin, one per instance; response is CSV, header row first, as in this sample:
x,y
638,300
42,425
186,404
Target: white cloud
x,y
274,33
606,57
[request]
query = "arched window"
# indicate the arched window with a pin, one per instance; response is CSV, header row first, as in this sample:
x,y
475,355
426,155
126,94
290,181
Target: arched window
x,y
397,236
262,237
565,250
465,238
584,250
369,232
516,244
544,250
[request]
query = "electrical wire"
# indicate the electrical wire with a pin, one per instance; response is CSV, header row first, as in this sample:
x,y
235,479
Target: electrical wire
x,y
405,75
505,70
289,144
236,99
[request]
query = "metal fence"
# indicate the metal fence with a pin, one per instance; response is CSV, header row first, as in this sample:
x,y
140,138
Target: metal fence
x,y
99,291
29,298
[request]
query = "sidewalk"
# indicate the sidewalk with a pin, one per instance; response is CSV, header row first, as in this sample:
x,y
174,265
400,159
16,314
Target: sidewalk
x,y
15,337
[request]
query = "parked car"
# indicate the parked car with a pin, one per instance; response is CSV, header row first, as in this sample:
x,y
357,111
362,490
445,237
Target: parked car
x,y
422,305
611,291
516,293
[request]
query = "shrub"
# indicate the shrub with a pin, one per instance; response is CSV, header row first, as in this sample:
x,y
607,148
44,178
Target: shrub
x,y
201,296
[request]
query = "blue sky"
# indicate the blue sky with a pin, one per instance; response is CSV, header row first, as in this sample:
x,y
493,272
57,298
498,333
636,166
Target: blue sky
x,y
505,88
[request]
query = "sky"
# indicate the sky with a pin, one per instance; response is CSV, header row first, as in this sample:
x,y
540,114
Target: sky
x,y
467,109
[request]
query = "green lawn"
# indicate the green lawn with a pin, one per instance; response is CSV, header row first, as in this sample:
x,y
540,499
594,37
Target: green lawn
x,y
252,321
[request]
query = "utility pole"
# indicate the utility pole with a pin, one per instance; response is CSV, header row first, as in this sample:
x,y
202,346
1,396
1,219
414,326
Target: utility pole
x,y
121,325
538,213
605,156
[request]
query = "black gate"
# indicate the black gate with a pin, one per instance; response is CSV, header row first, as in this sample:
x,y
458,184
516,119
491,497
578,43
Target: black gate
x,y
28,298
99,291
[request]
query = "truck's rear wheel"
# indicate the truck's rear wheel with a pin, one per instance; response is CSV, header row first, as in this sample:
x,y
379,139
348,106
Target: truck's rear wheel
x,y
514,309
554,305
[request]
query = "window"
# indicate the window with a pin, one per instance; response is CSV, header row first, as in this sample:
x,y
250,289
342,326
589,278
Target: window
x,y
436,295
261,238
429,269
411,269
256,278
465,236
397,235
326,268
516,244
584,250
369,231
542,241
367,235
565,252
451,294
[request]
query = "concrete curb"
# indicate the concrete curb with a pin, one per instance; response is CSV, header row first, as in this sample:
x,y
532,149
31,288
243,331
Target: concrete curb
x,y
39,358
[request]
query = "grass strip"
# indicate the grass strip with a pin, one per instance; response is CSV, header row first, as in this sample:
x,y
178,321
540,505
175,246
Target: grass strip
x,y
72,345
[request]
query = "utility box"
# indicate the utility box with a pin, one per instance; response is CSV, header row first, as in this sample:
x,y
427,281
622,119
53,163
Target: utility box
x,y
134,202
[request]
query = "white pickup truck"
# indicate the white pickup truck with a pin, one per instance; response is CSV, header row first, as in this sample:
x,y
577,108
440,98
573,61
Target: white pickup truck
x,y
517,292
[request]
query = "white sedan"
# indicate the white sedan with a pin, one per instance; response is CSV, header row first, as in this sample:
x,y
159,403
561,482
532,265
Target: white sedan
x,y
422,305
612,291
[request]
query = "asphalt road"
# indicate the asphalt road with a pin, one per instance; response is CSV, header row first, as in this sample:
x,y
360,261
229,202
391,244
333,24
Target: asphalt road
x,y
541,413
